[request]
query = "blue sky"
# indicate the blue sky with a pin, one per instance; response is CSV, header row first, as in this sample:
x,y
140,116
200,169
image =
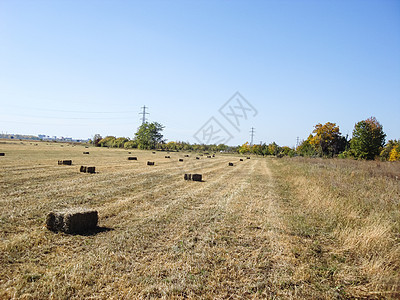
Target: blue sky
x,y
76,68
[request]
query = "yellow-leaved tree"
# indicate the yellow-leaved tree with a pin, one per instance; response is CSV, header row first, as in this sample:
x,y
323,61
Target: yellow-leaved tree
x,y
327,140
395,154
245,148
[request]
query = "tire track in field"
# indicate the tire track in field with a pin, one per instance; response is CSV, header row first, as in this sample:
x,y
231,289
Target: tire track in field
x,y
153,235
233,241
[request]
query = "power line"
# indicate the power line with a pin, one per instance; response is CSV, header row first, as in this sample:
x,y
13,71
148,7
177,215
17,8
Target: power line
x,y
252,136
69,111
144,113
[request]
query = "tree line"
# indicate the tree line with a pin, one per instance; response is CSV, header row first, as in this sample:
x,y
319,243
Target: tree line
x,y
367,142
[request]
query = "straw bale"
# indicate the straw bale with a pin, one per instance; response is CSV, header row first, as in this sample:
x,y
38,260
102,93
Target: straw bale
x,y
76,220
197,177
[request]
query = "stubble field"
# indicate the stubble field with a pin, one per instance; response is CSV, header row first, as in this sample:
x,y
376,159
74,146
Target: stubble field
x,y
264,228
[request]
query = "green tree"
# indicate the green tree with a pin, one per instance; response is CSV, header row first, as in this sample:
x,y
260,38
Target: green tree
x,y
306,148
108,141
368,139
120,142
149,135
273,148
130,144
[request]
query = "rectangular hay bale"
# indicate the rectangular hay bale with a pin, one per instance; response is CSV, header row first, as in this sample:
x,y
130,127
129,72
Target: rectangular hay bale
x,y
76,220
230,164
180,159
82,169
132,158
2,154
197,177
187,176
150,163
91,170
85,152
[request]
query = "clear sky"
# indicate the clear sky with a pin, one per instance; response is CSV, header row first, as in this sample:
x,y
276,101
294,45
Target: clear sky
x,y
77,68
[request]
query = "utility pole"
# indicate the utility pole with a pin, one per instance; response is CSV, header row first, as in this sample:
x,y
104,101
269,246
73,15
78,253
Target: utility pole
x,y
297,142
252,136
144,113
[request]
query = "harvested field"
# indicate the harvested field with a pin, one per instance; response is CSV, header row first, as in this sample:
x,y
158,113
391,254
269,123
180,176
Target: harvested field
x,y
267,228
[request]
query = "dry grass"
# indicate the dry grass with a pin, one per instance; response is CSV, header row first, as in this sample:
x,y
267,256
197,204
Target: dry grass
x,y
346,218
263,229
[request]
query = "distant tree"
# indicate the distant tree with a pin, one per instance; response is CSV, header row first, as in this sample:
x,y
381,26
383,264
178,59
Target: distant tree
x,y
257,149
386,151
171,145
273,148
327,139
285,150
395,154
222,147
149,135
306,148
368,139
108,141
130,144
96,139
120,142
245,148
